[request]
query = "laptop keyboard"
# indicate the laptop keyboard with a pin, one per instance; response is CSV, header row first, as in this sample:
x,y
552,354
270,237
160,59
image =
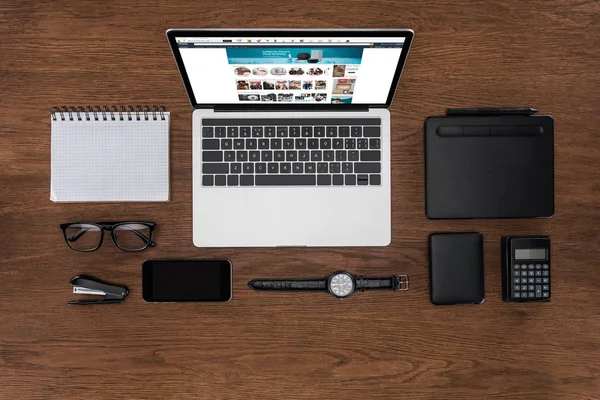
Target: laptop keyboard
x,y
292,152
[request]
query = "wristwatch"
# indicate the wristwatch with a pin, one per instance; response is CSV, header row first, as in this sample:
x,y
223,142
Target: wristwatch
x,y
341,284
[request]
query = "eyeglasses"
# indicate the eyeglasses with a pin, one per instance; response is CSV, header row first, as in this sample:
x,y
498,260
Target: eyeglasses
x,y
127,236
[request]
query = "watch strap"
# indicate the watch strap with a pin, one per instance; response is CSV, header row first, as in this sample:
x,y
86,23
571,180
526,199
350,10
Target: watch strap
x,y
289,284
394,282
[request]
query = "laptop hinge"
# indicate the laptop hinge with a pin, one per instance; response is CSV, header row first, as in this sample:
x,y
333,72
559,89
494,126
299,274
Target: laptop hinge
x,y
266,108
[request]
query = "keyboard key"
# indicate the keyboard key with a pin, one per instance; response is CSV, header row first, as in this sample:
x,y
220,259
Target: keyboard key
x,y
538,280
241,155
307,131
291,155
538,291
212,156
255,155
545,288
294,131
353,155
226,144
340,155
538,273
362,179
220,131
232,131
266,155
530,273
324,180
248,168
362,143
344,131
538,266
545,280
530,295
207,132
516,287
374,143
375,180
350,180
524,287
251,144
517,280
232,180
282,131
220,180
316,155
310,168
337,143
288,144
236,168
371,131
370,155
215,168
545,295
247,180
328,155
263,143
279,155
273,168
523,280
210,144
338,180
257,131
207,180
230,156
335,167
322,168
545,266
245,131
260,168
347,168
304,155
276,144
331,131
238,144
319,131
530,280
356,131
325,143
269,131
367,168
313,143
300,144
517,295
350,143
297,168
285,168
275,180
546,273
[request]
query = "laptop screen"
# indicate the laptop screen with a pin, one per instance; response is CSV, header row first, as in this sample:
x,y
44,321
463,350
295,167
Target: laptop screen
x,y
255,70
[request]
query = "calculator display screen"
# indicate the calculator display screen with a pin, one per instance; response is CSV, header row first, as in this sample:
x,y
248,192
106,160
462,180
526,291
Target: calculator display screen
x,y
530,254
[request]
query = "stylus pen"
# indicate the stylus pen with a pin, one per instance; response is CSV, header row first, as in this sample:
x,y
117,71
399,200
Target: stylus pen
x,y
490,111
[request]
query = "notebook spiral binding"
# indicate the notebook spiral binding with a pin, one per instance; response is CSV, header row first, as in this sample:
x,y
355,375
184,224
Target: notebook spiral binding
x,y
98,113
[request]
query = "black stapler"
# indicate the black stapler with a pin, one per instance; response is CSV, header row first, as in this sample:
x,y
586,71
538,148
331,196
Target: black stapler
x,y
83,284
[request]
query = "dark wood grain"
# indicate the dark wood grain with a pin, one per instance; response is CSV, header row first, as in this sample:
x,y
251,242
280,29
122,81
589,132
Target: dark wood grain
x,y
276,346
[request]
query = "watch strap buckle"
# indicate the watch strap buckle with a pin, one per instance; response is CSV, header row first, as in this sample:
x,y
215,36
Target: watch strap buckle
x,y
401,282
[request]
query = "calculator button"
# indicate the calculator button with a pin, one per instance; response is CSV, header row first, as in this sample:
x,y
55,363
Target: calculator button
x,y
538,291
530,294
516,266
545,280
530,287
517,280
545,295
523,266
538,280
530,266
516,287
545,288
538,273
517,295
531,273
523,280
517,273
546,273
523,287
538,266
530,280
545,266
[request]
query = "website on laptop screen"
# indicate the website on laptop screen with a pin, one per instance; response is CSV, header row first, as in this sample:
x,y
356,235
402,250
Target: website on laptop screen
x,y
290,70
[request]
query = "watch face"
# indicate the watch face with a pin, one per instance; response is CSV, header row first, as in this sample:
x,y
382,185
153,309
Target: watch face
x,y
341,284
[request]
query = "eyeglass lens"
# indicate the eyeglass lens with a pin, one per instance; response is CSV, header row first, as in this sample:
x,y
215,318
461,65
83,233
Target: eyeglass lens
x,y
83,237
132,236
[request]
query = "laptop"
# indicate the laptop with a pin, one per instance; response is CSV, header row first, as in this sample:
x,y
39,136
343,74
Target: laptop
x,y
291,134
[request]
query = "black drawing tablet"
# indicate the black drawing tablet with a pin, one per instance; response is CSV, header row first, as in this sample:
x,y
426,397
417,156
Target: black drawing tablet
x,y
489,166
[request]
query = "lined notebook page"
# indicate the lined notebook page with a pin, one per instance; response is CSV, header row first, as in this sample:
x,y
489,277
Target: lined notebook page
x,y
110,160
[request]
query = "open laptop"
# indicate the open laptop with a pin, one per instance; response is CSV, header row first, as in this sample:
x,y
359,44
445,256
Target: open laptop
x,y
291,134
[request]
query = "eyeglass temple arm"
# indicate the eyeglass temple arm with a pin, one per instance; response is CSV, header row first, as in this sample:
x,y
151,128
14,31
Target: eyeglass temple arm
x,y
77,235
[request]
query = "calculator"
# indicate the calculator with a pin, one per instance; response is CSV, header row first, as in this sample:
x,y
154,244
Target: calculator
x,y
526,268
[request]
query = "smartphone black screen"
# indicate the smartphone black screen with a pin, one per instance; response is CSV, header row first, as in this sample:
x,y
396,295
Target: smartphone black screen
x,y
186,280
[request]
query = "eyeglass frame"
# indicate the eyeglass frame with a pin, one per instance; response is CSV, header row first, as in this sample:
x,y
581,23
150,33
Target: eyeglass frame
x,y
110,226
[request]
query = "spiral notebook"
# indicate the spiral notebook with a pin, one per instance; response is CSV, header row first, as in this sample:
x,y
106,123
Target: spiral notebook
x,y
106,154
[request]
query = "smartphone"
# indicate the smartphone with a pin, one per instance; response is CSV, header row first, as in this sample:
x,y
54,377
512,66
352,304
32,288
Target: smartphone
x,y
186,280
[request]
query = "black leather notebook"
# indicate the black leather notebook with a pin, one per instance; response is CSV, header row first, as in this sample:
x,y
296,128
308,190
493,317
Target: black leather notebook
x,y
489,166
456,263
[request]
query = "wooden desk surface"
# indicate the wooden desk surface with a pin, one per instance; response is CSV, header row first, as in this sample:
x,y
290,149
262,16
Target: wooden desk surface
x,y
279,346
